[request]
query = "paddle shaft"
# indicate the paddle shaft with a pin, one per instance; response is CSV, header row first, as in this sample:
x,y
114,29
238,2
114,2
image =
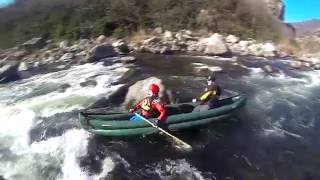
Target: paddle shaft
x,y
165,132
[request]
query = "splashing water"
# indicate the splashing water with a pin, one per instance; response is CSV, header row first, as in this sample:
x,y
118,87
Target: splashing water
x,y
26,103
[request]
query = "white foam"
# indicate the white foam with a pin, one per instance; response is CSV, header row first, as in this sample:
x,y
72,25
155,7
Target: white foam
x,y
107,167
278,90
19,112
168,169
255,70
15,125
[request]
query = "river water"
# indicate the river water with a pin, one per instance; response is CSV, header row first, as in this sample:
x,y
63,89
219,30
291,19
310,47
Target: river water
x,y
273,137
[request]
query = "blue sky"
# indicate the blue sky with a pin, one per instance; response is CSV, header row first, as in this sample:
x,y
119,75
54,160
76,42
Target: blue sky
x,y
4,3
301,10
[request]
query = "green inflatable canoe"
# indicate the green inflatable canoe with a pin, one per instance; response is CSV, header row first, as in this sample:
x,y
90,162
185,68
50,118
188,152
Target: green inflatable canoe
x,y
180,116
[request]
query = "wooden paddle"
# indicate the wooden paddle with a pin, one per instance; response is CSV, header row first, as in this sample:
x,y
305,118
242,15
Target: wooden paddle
x,y
185,145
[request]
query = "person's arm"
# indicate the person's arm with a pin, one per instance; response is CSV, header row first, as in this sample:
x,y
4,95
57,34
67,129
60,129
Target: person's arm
x,y
136,107
163,111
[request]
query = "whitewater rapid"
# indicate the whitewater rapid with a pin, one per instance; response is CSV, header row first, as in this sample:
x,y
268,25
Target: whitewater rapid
x,y
27,103
40,136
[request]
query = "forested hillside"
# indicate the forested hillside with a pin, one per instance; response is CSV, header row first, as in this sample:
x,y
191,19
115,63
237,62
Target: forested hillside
x,y
74,19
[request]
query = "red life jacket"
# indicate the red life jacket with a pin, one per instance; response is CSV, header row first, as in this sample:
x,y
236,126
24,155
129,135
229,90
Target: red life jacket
x,y
152,108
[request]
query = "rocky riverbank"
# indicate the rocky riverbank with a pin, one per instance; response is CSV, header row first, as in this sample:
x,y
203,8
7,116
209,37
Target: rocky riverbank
x,y
37,52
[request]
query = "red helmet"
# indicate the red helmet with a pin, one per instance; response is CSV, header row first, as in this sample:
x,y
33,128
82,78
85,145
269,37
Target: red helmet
x,y
154,88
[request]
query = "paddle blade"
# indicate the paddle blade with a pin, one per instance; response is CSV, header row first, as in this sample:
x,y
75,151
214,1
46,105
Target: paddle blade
x,y
135,118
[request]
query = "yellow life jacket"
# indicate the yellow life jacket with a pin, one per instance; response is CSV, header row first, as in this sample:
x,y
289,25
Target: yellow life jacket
x,y
146,104
206,95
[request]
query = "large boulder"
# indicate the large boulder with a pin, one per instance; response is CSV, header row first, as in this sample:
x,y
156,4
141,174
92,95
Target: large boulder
x,y
23,70
296,64
263,50
23,67
101,39
64,44
184,35
151,40
215,45
9,71
269,50
158,30
256,49
121,46
101,51
127,59
139,90
35,43
67,56
84,44
167,36
232,39
19,55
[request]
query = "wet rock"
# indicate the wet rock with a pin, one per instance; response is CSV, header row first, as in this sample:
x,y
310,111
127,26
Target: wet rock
x,y
167,36
245,44
192,46
2,56
316,67
139,90
64,87
121,46
82,53
263,50
23,66
184,36
296,64
63,66
9,71
101,39
232,39
215,45
151,49
101,51
306,64
83,43
127,59
151,40
33,44
203,70
269,50
158,30
256,49
20,54
49,59
64,44
270,70
89,83
73,48
67,56
166,50
36,64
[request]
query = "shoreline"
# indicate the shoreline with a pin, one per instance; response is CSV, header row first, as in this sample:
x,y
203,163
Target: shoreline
x,y
38,52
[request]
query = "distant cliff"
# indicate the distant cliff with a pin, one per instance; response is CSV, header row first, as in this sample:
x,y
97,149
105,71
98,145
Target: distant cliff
x,y
307,27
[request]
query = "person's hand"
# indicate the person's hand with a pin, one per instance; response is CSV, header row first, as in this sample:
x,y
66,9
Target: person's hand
x,y
194,100
131,110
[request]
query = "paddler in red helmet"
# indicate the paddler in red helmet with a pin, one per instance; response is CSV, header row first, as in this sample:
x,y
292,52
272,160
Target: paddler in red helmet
x,y
151,106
